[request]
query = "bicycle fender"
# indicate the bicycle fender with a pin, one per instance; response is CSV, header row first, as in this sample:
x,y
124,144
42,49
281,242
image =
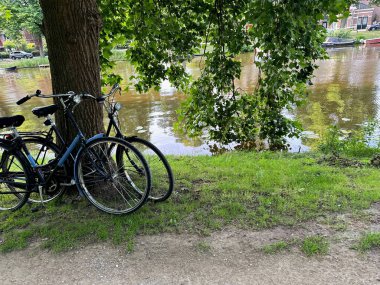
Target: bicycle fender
x,y
98,136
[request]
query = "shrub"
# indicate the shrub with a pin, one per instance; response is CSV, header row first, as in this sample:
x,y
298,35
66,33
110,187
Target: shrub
x,y
9,45
4,54
341,33
21,44
30,47
360,142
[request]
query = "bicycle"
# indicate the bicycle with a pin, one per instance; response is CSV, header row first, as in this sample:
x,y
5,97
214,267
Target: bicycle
x,y
97,169
162,179
162,175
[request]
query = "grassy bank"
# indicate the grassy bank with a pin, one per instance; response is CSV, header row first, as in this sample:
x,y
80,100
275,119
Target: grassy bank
x,y
24,63
245,190
358,36
365,35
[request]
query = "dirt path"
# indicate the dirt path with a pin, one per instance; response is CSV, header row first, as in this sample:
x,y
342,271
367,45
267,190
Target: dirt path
x,y
228,257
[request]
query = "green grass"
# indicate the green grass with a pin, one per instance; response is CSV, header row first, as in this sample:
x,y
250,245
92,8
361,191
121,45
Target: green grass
x,y
240,189
336,224
357,35
23,63
365,35
276,247
315,245
203,247
369,241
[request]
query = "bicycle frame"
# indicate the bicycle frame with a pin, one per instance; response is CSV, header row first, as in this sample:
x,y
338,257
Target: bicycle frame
x,y
54,130
66,152
113,123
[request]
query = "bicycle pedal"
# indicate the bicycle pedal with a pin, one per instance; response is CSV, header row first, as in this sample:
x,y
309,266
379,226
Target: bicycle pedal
x,y
71,183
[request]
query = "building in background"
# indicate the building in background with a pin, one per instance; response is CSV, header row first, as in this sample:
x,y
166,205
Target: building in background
x,y
362,15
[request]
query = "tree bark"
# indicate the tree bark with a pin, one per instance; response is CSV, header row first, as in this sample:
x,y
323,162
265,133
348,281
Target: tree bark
x,y
72,29
40,45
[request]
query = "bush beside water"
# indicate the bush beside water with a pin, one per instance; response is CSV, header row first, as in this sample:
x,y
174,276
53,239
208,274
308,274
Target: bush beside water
x,y
363,142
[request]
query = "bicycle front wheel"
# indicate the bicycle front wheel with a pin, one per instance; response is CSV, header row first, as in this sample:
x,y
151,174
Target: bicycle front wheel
x,y
112,187
15,179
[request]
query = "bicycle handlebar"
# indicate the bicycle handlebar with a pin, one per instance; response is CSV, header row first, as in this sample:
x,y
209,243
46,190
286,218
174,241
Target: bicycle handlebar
x,y
69,94
102,98
23,100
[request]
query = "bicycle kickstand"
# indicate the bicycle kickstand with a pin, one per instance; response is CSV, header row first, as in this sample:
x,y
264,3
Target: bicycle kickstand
x,y
42,205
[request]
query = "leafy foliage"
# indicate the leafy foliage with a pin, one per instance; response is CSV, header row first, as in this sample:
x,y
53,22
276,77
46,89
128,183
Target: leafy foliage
x,y
362,142
21,15
161,35
9,45
286,36
341,33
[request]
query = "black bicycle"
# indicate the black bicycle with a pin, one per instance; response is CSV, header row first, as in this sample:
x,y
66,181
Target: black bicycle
x,y
111,183
43,148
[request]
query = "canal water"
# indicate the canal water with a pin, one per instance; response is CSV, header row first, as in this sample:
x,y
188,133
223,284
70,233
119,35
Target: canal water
x,y
345,91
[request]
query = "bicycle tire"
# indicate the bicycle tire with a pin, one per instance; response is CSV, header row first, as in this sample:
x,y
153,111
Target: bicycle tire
x,y
11,197
109,186
162,175
37,146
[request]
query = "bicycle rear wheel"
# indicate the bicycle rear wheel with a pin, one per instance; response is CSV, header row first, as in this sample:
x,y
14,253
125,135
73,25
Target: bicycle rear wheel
x,y
15,179
115,188
162,175
45,152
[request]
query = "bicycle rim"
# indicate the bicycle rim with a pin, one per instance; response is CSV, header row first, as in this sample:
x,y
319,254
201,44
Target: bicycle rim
x,y
162,175
15,180
112,187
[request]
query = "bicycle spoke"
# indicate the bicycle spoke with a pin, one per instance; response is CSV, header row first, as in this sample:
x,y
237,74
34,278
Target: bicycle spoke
x,y
109,184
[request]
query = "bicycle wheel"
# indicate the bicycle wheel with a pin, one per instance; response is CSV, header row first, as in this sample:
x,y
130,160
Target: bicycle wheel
x,y
15,179
115,188
44,153
162,175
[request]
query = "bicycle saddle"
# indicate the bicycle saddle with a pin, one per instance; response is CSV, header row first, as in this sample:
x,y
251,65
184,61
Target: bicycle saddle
x,y
44,111
14,121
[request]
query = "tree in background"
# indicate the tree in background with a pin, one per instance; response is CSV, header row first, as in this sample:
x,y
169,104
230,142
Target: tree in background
x,y
9,45
22,16
286,36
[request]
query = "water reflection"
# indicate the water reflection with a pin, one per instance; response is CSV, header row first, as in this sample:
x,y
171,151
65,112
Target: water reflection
x,y
346,91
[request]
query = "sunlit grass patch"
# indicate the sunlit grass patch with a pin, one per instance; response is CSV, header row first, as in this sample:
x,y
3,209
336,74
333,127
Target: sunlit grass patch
x,y
315,245
368,242
22,63
276,247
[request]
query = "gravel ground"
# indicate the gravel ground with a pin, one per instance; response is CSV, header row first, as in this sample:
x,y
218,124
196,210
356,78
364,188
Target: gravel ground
x,y
231,256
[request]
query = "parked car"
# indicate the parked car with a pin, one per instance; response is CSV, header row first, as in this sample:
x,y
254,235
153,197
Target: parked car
x,y
374,27
20,54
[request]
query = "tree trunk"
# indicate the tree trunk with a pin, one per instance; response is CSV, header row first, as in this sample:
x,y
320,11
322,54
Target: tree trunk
x,y
72,28
40,45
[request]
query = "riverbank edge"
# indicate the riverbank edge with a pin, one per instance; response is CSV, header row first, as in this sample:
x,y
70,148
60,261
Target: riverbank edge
x,y
120,54
245,190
